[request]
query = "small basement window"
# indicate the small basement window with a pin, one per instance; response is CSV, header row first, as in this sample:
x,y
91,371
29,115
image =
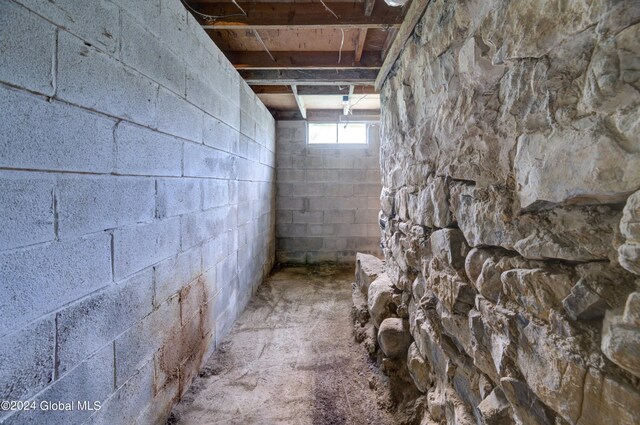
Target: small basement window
x,y
352,133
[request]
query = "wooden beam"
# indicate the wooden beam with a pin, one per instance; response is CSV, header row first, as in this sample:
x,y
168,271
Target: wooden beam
x,y
368,7
299,101
362,36
314,90
306,60
411,19
329,115
293,15
312,77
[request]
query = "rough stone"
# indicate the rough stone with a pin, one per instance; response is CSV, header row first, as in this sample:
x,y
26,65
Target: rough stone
x,y
368,268
394,337
621,338
629,252
380,300
495,409
418,369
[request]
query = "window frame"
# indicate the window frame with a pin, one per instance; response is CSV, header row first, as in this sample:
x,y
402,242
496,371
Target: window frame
x,y
338,145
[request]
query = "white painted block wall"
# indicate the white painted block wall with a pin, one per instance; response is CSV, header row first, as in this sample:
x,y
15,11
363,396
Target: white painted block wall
x,y
136,205
327,199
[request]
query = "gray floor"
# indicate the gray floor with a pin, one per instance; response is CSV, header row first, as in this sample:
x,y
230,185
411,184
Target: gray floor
x,y
290,359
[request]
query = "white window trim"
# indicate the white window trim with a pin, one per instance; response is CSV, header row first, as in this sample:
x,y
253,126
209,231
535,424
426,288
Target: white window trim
x,y
339,145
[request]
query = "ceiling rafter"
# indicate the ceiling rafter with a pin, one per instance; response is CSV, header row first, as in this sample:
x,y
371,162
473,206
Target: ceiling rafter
x,y
306,60
292,15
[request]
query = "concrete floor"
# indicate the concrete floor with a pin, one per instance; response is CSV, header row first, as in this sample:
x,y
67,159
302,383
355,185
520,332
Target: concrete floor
x,y
291,359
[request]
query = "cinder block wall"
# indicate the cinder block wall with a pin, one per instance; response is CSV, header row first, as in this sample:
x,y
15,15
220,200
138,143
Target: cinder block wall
x,y
136,205
328,199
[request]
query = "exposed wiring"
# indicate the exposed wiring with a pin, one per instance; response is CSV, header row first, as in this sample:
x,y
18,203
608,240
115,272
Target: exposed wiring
x,y
341,44
263,45
212,17
351,109
330,11
238,6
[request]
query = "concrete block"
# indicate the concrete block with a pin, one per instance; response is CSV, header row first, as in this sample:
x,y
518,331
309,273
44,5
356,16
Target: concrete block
x,y
344,162
304,162
90,78
354,175
203,161
178,196
26,209
306,189
138,247
91,323
299,244
96,22
368,217
146,152
320,175
174,23
367,189
88,204
308,216
192,296
215,250
247,124
290,229
215,193
37,134
174,273
145,52
134,348
226,270
287,203
163,401
351,230
147,12
27,359
322,257
219,135
178,117
338,189
199,227
284,216
201,90
127,402
32,67
42,278
332,203
90,382
321,230
291,257
245,212
253,153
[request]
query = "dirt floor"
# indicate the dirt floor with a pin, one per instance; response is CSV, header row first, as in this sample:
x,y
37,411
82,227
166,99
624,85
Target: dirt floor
x,y
291,359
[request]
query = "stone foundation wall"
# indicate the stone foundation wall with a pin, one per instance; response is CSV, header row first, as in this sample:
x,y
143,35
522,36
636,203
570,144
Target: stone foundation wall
x,y
510,154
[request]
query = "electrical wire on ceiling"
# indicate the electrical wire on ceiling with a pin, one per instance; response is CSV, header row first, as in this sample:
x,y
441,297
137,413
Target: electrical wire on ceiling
x,y
255,31
213,17
341,30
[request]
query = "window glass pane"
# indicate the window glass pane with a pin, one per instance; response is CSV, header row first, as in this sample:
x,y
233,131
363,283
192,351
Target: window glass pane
x,y
322,133
352,133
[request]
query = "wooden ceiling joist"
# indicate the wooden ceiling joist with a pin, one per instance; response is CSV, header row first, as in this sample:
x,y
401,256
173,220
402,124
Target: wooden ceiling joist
x,y
299,101
307,60
314,90
294,15
311,77
329,115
